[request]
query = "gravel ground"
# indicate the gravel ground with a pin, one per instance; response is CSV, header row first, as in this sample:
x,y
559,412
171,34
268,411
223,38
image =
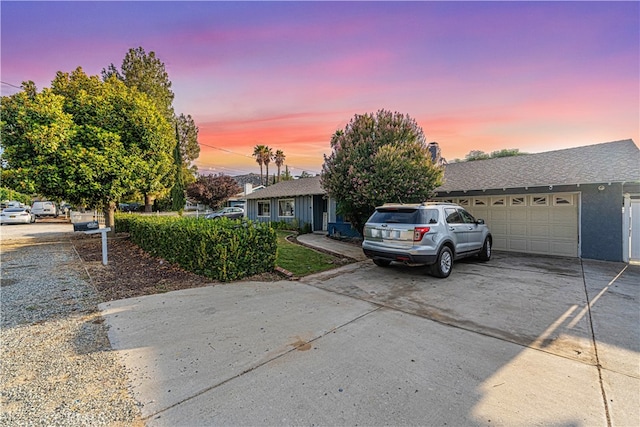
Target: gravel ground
x,y
56,363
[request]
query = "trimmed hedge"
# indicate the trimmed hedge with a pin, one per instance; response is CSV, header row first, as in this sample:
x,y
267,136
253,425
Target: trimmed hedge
x,y
223,249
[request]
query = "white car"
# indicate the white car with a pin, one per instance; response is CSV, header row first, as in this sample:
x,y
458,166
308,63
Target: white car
x,y
17,216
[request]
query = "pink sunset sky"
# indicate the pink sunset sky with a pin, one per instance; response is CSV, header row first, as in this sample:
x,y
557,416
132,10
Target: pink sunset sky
x,y
474,75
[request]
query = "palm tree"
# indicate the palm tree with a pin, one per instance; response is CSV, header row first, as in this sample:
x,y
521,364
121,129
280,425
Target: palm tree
x,y
278,158
266,159
258,153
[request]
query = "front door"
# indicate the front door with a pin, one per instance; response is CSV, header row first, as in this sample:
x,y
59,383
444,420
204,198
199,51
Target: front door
x,y
319,213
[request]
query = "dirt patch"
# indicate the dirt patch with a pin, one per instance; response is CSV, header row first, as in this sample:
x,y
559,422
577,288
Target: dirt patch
x,y
131,272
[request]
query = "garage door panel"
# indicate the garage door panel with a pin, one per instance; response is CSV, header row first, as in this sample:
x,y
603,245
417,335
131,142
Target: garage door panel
x,y
498,215
517,245
518,213
562,248
539,214
539,246
534,223
517,229
500,243
563,215
498,228
563,232
539,230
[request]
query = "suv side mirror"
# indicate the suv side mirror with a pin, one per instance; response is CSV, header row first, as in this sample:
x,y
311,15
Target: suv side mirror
x,y
480,221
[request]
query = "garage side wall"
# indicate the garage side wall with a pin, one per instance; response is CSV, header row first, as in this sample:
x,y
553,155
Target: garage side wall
x,y
601,222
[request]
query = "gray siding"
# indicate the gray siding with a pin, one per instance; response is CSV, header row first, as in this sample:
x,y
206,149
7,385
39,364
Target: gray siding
x,y
303,210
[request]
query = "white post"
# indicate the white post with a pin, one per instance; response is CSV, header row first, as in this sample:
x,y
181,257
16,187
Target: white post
x,y
103,232
104,245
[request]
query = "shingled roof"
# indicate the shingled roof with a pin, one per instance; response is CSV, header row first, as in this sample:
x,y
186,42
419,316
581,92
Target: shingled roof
x,y
296,187
617,161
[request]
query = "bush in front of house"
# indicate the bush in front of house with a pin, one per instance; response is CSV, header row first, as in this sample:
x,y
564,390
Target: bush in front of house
x,y
223,249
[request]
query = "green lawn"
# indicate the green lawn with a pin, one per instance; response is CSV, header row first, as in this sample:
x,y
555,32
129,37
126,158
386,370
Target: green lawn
x,y
301,260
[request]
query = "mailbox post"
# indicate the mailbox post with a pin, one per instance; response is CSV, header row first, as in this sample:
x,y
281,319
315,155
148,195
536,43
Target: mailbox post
x,y
104,232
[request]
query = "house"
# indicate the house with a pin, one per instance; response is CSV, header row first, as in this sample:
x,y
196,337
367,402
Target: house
x,y
240,199
577,202
301,201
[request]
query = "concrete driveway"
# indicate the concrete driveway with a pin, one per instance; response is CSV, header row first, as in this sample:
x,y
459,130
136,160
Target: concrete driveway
x,y
520,340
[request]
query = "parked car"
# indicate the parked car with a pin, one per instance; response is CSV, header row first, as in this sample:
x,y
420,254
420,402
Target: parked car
x,y
21,215
229,212
11,204
434,234
46,208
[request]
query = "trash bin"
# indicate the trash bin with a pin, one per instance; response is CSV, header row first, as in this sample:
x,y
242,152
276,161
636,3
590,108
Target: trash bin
x,y
85,226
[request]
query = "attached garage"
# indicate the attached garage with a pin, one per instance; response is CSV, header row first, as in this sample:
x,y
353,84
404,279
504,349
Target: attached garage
x,y
532,223
567,202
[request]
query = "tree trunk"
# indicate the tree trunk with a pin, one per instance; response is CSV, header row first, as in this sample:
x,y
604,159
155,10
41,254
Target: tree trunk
x,y
148,202
109,216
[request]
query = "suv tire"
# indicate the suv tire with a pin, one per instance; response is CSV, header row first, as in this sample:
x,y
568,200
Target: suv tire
x,y
381,262
485,253
444,263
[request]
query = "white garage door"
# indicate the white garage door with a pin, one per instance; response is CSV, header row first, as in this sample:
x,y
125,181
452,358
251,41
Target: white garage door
x,y
532,223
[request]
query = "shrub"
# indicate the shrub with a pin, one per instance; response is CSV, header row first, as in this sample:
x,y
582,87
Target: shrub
x,y
9,194
223,250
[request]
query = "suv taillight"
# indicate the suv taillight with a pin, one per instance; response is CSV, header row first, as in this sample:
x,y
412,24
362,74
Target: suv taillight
x,y
419,232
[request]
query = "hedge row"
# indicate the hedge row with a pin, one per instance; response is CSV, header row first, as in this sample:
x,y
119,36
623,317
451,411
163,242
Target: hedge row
x,y
221,249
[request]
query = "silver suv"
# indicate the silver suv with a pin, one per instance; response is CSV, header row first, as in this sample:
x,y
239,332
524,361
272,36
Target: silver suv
x,y
428,233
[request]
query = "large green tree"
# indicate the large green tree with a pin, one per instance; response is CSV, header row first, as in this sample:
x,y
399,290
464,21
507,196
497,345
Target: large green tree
x,y
178,199
147,73
87,141
189,146
378,158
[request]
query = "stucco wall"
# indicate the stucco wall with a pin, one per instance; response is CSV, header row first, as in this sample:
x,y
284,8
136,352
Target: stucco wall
x,y
601,222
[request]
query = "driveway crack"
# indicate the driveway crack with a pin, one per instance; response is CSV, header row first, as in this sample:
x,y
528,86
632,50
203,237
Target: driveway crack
x,y
595,347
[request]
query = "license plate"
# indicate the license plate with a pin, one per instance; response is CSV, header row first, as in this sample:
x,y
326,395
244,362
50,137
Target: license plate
x,y
12,216
391,234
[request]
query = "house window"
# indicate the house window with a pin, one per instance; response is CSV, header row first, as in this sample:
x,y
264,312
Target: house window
x,y
539,201
286,207
479,202
264,208
498,201
518,201
463,202
563,200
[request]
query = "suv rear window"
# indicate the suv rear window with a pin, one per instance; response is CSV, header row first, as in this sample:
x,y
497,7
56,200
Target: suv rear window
x,y
404,216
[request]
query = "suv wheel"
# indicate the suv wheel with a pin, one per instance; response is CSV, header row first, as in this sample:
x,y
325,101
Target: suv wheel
x,y
485,253
444,263
381,262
